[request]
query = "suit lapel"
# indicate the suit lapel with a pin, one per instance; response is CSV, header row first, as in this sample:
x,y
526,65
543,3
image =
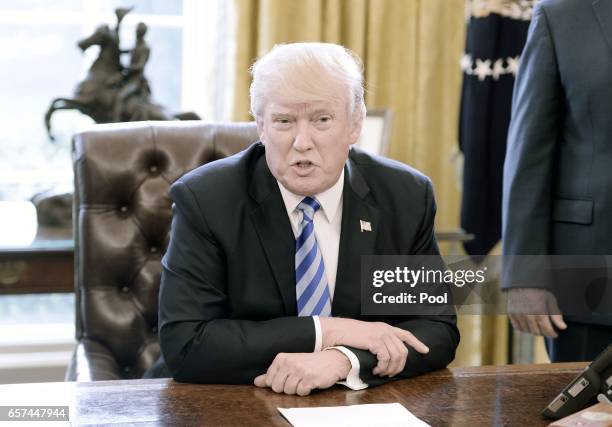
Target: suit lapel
x,y
603,11
274,231
356,207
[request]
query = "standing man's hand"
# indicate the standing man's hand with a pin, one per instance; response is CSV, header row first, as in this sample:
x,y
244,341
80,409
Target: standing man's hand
x,y
387,342
535,310
300,373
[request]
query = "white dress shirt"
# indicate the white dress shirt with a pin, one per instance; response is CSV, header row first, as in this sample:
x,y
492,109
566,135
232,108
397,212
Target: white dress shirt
x,y
327,226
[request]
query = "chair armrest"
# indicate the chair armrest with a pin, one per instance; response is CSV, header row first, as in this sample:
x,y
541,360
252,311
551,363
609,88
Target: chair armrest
x,y
92,361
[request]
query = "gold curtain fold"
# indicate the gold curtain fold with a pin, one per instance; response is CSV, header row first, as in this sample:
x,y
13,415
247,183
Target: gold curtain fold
x,y
411,51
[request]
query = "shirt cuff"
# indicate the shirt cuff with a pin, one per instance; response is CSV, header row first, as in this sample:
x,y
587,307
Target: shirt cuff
x,y
318,334
352,380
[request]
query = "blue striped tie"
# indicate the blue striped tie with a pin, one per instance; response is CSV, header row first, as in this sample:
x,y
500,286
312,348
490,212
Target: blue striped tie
x,y
312,292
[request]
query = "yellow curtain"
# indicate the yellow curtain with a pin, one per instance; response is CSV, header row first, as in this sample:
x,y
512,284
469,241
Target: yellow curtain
x,y
411,51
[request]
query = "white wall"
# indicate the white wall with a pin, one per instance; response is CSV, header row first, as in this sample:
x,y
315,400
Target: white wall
x,y
35,352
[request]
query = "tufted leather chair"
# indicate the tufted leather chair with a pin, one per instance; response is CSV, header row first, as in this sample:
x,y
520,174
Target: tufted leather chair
x,y
122,216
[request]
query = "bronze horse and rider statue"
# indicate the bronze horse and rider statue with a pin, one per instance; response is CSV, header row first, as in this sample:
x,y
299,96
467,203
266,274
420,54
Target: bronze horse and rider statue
x,y
111,92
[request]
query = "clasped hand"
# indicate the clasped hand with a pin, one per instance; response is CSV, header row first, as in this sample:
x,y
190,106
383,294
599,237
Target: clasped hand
x,y
300,373
386,342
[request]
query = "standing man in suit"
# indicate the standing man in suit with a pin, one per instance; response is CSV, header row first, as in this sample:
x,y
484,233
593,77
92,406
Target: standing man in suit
x,y
557,176
261,280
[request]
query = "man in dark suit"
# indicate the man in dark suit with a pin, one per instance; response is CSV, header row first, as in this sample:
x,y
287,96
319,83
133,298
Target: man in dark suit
x,y
557,175
261,280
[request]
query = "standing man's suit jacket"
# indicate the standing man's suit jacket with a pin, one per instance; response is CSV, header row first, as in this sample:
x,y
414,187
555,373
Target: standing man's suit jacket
x,y
558,171
228,300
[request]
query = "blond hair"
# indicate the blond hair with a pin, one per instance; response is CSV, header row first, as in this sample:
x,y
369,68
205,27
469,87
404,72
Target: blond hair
x,y
307,72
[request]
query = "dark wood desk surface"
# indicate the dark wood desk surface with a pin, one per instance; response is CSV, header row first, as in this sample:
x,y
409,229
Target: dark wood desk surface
x,y
484,396
43,265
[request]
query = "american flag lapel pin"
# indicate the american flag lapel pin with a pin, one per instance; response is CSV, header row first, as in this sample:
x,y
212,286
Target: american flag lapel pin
x,y
365,225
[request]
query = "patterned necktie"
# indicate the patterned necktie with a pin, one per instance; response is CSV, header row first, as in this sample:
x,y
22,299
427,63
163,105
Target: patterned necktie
x,y
312,292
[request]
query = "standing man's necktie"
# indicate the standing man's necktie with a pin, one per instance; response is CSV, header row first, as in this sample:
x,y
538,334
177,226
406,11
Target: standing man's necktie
x,y
312,292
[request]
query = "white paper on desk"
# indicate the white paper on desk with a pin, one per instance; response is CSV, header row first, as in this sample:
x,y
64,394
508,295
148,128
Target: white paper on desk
x,y
379,414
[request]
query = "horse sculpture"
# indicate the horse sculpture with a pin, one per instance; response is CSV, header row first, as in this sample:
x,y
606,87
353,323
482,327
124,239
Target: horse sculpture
x,y
98,95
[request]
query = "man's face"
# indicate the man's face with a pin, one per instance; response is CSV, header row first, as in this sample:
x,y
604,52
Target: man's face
x,y
307,144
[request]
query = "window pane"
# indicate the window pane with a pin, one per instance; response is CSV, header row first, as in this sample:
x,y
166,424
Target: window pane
x,y
155,7
39,63
40,4
42,62
43,308
165,63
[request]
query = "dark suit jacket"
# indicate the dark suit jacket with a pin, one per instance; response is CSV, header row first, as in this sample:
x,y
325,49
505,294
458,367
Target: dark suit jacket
x,y
558,170
227,299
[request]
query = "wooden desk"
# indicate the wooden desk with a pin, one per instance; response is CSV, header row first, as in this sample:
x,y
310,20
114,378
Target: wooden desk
x,y
45,265
487,396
